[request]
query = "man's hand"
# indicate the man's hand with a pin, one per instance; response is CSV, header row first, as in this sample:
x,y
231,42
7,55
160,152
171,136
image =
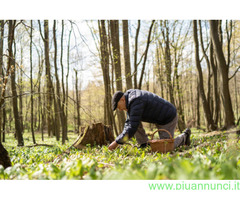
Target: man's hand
x,y
113,145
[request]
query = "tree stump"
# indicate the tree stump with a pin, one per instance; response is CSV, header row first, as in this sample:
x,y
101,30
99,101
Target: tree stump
x,y
95,134
4,157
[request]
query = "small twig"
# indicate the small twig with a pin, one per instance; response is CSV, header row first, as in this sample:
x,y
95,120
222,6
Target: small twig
x,y
37,145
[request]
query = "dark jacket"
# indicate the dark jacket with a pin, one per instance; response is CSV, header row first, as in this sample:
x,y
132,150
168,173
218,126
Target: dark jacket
x,y
147,107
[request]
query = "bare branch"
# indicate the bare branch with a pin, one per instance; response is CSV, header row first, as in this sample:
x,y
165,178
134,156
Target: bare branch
x,y
234,73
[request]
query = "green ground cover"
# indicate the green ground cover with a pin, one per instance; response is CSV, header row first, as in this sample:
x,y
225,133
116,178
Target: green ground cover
x,y
209,157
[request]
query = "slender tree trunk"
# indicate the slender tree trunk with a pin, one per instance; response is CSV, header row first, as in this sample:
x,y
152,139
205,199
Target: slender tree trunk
x,y
64,125
224,70
31,83
11,62
215,86
208,67
77,102
198,105
210,123
181,121
58,111
160,70
126,50
21,88
1,73
68,65
135,55
48,77
114,26
145,54
106,78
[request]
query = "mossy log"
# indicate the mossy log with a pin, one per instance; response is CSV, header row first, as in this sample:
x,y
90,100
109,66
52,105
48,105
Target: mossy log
x,y
95,134
4,157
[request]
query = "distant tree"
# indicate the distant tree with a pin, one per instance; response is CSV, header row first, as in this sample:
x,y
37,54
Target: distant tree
x,y
57,98
31,83
48,77
77,102
67,74
64,120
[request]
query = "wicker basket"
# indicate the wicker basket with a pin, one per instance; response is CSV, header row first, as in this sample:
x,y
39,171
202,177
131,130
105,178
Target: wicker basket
x,y
162,145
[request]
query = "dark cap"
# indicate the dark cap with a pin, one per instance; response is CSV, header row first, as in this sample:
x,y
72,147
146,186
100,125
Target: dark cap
x,y
115,99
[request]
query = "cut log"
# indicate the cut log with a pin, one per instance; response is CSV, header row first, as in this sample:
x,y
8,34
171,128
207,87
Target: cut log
x,y
95,134
4,157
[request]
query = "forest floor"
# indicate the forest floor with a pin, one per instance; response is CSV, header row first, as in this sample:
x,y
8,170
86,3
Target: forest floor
x,y
214,155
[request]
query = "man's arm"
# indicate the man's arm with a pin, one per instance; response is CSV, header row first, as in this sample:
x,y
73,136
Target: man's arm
x,y
131,125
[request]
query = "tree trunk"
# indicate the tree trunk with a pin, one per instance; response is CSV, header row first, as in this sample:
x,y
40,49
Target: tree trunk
x,y
96,134
31,83
108,114
198,106
11,62
224,69
215,86
208,67
114,26
135,55
4,157
1,73
68,65
210,123
58,112
145,54
77,103
64,125
21,87
167,59
48,77
126,51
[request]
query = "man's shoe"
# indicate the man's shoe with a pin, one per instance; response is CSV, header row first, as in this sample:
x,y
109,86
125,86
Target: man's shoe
x,y
188,134
144,145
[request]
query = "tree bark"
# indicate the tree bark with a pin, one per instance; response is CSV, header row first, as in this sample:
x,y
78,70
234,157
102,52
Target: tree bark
x,y
31,83
145,54
77,102
114,26
108,114
210,123
224,70
135,55
48,77
96,134
64,135
167,59
1,76
11,62
59,115
208,66
67,75
126,51
4,157
215,86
